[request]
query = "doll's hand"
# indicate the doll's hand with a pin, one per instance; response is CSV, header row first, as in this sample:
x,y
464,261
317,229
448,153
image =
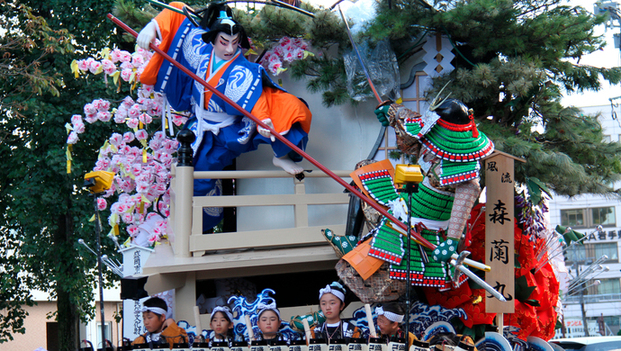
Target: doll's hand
x,y
146,35
266,132
445,250
382,115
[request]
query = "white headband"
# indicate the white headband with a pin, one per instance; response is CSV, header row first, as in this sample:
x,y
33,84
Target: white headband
x,y
224,310
391,316
156,310
261,307
328,290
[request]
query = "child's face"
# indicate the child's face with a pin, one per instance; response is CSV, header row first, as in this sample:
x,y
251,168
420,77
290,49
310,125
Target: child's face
x,y
331,306
386,326
269,323
153,322
219,324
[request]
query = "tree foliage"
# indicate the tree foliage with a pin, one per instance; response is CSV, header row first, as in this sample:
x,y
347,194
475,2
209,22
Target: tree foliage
x,y
27,43
44,210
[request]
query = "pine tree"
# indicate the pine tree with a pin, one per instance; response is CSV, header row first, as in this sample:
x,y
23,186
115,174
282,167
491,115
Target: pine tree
x,y
514,60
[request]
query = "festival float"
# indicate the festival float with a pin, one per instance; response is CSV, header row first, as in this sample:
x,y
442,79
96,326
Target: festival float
x,y
482,264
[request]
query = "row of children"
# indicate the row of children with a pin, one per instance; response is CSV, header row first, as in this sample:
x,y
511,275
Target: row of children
x,y
161,330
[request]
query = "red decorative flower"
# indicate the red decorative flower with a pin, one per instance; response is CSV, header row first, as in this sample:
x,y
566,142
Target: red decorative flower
x,y
525,318
475,309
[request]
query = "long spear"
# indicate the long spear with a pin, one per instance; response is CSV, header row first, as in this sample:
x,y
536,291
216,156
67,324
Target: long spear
x,y
416,236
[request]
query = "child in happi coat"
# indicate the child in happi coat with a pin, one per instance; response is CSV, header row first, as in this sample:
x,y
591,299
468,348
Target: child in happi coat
x,y
221,325
389,318
160,330
268,321
332,303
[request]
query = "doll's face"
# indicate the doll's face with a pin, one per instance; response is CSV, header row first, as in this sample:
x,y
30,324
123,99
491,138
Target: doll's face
x,y
269,324
219,324
225,46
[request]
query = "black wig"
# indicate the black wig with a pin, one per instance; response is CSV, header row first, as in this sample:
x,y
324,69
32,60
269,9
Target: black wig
x,y
229,26
212,12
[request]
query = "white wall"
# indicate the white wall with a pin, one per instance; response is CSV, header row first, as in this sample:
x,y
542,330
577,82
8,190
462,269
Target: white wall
x,y
339,137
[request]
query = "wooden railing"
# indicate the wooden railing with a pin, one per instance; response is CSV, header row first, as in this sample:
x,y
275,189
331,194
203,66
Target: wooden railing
x,y
186,213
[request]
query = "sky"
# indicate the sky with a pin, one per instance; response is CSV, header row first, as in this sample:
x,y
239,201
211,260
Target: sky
x,y
608,57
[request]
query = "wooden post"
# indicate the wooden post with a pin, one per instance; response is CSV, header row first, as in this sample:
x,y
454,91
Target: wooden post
x,y
181,195
499,232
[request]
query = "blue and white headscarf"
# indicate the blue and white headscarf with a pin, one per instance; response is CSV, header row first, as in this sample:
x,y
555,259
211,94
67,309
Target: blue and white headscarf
x,y
391,316
336,289
262,307
223,309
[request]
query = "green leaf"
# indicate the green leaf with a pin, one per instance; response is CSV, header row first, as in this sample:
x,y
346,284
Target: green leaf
x,y
541,185
522,290
570,235
534,191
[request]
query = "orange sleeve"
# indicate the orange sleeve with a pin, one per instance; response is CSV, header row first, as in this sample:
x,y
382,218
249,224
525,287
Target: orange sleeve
x,y
283,108
356,333
139,340
168,22
174,334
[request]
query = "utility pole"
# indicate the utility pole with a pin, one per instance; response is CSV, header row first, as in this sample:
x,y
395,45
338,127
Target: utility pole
x,y
582,309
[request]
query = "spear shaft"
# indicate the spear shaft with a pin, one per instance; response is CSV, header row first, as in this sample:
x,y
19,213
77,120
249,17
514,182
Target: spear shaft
x,y
416,236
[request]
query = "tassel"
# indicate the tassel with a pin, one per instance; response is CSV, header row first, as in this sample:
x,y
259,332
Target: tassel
x,y
69,158
475,131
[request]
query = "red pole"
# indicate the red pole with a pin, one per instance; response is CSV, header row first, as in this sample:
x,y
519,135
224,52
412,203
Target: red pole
x,y
416,236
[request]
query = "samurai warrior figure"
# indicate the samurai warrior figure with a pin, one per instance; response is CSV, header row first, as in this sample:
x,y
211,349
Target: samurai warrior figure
x,y
448,146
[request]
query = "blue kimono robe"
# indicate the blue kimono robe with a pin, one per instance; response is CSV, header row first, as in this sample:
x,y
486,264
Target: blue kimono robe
x,y
223,133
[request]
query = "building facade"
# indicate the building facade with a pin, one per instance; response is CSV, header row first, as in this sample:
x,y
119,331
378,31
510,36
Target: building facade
x,y
595,297
42,329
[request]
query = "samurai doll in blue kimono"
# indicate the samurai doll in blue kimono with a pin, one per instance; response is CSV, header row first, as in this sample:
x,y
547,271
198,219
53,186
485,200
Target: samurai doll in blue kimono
x,y
213,50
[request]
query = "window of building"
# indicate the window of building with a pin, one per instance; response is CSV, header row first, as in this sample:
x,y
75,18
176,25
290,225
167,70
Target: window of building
x,y
604,216
574,218
107,332
575,253
612,320
590,252
609,286
596,251
589,218
606,138
52,341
